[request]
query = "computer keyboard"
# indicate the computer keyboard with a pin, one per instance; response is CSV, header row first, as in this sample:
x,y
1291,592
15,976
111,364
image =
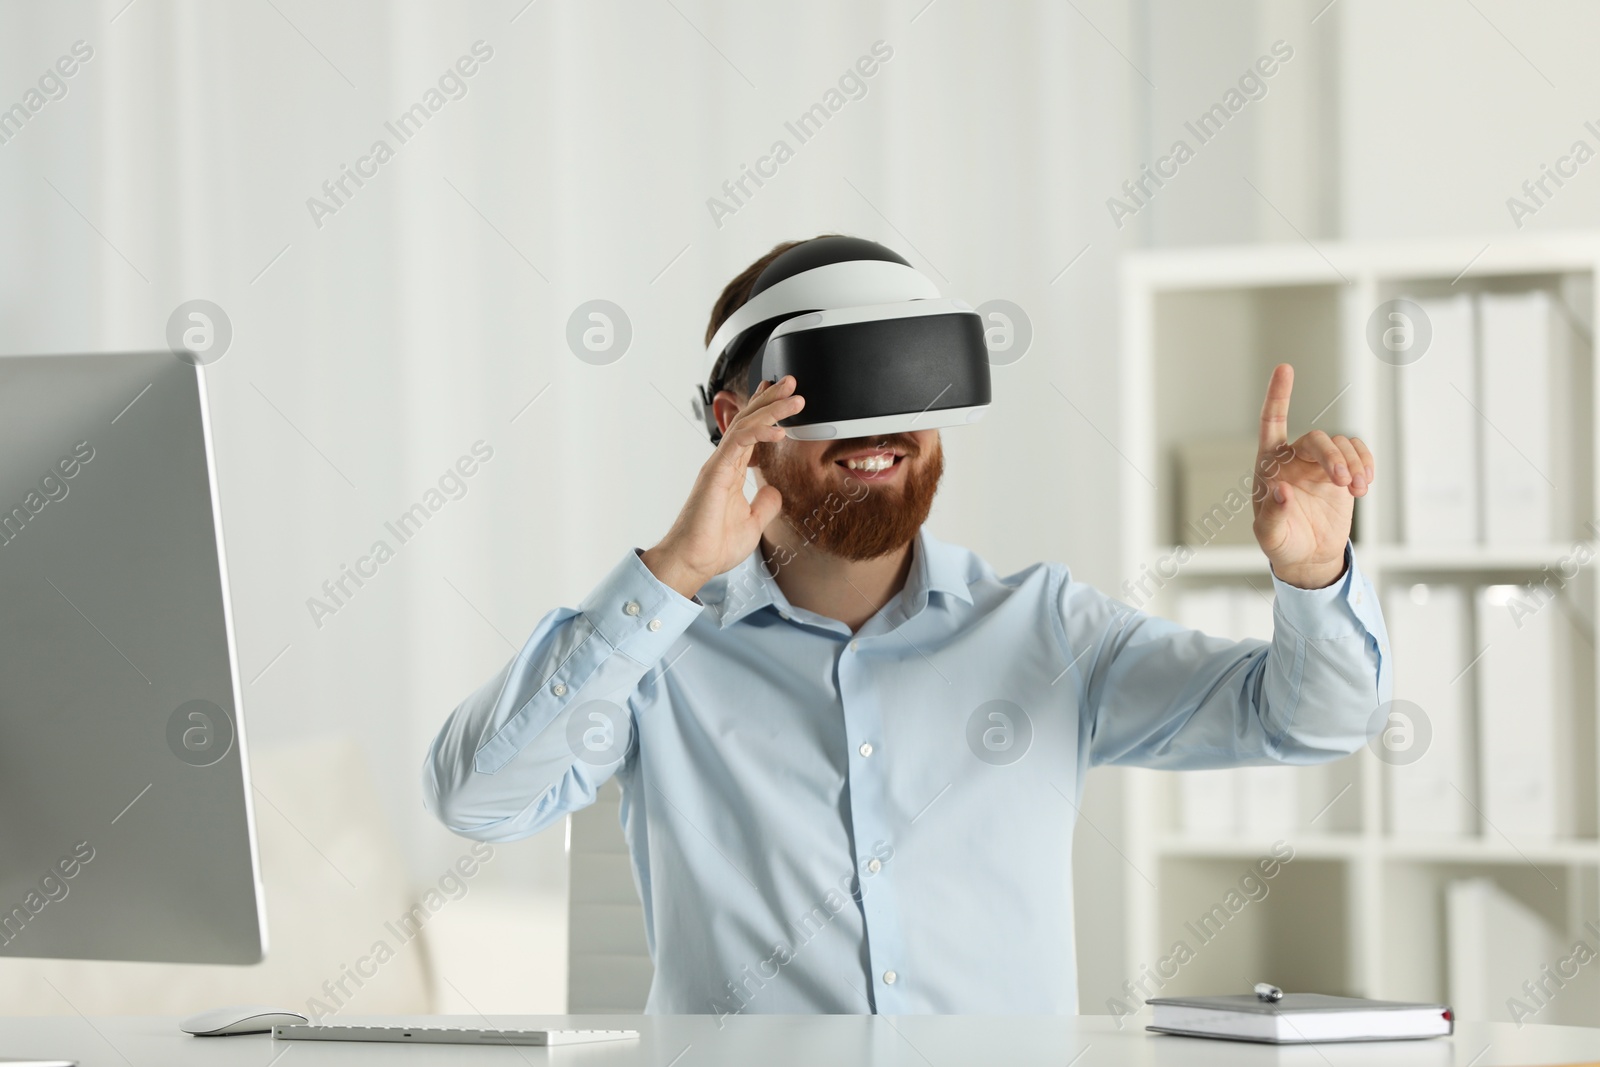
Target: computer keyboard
x,y
444,1035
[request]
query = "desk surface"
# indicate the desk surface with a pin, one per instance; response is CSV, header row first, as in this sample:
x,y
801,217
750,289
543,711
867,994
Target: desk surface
x,y
776,1040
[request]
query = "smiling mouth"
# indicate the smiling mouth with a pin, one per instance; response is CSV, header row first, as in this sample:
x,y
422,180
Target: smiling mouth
x,y
871,467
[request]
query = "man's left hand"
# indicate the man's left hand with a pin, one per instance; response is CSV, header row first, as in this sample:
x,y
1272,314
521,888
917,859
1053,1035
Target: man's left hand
x,y
1304,493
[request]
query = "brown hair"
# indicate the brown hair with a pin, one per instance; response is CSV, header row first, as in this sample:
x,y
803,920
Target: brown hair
x,y
734,296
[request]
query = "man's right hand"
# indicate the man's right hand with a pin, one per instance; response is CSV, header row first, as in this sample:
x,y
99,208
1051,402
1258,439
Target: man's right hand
x,y
717,527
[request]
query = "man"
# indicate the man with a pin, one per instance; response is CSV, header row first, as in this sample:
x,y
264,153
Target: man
x,y
851,754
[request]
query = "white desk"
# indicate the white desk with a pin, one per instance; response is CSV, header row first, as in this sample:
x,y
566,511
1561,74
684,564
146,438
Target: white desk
x,y
776,1040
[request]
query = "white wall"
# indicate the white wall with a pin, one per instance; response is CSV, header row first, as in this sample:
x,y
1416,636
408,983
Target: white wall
x,y
1448,108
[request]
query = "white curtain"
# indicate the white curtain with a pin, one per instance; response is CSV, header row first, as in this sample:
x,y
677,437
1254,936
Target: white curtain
x,y
375,345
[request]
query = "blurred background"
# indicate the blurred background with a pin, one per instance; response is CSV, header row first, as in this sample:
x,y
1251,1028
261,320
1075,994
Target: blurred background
x,y
385,325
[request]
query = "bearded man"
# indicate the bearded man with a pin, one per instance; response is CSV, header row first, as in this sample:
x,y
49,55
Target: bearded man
x,y
850,754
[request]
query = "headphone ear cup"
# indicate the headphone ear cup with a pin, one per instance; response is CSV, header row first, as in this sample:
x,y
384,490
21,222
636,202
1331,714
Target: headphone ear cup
x,y
703,408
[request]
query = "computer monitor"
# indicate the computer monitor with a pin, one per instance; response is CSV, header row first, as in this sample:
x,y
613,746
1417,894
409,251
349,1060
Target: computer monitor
x,y
126,825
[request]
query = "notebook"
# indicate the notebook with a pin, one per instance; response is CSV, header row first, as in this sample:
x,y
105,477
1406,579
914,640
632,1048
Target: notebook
x,y
1299,1017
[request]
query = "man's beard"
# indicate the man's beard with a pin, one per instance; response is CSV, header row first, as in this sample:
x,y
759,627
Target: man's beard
x,y
850,518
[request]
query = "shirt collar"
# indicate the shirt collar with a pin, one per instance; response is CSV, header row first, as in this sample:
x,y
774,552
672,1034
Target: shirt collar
x,y
941,568
935,567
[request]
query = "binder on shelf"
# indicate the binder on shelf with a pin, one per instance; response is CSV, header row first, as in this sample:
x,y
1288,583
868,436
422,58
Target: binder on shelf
x,y
1493,943
1207,803
1252,612
1439,429
1429,794
1269,799
1214,488
1233,611
1207,800
1253,801
1525,444
1237,800
1208,609
1525,678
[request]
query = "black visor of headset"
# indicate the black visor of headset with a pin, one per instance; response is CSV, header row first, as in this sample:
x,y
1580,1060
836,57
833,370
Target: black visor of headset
x,y
873,347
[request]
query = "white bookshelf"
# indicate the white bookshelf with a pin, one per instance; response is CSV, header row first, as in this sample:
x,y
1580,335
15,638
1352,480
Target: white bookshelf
x,y
1359,910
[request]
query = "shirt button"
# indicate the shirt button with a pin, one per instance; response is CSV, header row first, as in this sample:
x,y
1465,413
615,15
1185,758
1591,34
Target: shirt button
x,y
784,615
655,624
889,977
866,748
559,689
631,607
1357,597
874,866
854,645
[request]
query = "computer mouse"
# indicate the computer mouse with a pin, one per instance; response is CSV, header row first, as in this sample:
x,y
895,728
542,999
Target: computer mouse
x,y
250,1019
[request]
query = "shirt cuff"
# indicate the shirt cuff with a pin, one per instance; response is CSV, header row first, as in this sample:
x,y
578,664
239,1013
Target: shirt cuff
x,y
637,613
1342,609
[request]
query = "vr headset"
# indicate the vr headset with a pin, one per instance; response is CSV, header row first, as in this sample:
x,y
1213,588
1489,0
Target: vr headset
x,y
872,346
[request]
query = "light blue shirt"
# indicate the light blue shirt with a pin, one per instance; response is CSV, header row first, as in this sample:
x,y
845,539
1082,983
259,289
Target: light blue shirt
x,y
822,821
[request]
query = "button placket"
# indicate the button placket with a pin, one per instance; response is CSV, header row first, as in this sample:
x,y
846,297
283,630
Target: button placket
x,y
871,829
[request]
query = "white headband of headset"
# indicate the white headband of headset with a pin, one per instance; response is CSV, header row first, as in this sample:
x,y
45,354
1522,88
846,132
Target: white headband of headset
x,y
834,285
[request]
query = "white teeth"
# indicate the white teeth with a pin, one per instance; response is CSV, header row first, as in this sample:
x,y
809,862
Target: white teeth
x,y
870,463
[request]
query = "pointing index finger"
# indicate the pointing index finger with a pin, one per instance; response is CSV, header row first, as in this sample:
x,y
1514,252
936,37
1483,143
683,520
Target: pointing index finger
x,y
1275,409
